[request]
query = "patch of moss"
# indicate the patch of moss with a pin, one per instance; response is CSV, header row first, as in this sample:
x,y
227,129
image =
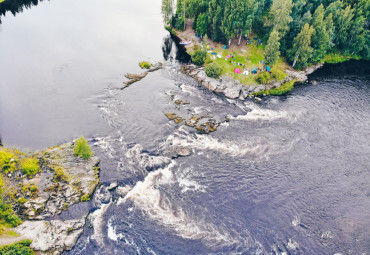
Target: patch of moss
x,y
60,175
30,166
30,190
8,160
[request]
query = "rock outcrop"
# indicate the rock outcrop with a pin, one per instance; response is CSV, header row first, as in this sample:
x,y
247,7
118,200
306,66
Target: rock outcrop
x,y
132,78
62,180
233,89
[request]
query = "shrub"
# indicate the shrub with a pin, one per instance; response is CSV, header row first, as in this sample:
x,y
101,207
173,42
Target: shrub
x,y
145,65
30,166
199,57
85,198
7,214
20,248
8,161
60,175
21,200
263,77
29,189
82,149
213,70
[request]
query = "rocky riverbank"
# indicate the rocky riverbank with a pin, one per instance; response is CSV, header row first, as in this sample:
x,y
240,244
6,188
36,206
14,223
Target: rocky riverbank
x,y
62,180
233,89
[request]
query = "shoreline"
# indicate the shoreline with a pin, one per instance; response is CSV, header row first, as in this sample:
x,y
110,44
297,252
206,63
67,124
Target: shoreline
x,y
62,180
232,88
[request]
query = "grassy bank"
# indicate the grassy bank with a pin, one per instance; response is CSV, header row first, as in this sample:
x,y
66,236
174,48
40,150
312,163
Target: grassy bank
x,y
286,87
335,58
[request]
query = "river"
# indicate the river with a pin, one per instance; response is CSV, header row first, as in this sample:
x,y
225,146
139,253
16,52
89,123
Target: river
x,y
287,176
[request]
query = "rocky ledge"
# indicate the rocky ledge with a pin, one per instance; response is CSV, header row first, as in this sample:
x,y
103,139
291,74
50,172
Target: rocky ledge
x,y
63,180
234,89
132,78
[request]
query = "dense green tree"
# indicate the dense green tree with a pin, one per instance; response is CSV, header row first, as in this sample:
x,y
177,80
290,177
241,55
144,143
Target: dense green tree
x,y
301,51
167,11
280,15
202,25
329,25
272,52
215,16
320,37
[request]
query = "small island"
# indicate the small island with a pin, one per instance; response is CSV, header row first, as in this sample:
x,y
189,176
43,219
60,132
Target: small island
x,y
37,186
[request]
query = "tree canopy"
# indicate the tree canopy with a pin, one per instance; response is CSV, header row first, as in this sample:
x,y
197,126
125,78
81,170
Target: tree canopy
x,y
302,31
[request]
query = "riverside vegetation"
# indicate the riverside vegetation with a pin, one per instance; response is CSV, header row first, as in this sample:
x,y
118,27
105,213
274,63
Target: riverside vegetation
x,y
276,35
40,185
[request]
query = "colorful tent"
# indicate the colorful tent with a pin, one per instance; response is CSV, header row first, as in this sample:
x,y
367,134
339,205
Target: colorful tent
x,y
254,70
228,56
237,70
268,69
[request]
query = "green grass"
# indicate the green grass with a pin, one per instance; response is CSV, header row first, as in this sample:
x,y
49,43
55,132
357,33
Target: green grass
x,y
2,1
286,87
334,58
251,58
21,248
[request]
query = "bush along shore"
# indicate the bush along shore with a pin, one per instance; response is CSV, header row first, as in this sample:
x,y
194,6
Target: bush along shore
x,y
37,186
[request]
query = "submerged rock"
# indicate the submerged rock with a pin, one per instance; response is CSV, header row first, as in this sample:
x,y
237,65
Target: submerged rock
x,y
181,102
174,117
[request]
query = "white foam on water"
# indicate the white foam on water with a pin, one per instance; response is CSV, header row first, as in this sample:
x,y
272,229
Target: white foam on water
x,y
190,185
255,146
145,161
112,232
296,221
259,114
105,144
292,245
97,219
147,196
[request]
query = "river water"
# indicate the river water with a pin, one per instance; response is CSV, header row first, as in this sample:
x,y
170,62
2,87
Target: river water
x,y
287,176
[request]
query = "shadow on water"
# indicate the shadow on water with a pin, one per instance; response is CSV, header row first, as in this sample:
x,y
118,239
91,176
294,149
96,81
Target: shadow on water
x,y
349,68
170,43
16,6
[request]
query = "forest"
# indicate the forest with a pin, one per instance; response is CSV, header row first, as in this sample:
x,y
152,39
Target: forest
x,y
301,31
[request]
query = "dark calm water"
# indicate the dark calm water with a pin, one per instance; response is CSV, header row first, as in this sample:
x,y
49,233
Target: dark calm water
x,y
288,176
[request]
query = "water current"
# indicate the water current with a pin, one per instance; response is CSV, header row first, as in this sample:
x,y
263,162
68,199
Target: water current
x,y
290,175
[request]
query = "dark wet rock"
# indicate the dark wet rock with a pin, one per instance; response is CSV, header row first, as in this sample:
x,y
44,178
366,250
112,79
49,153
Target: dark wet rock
x,y
203,124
